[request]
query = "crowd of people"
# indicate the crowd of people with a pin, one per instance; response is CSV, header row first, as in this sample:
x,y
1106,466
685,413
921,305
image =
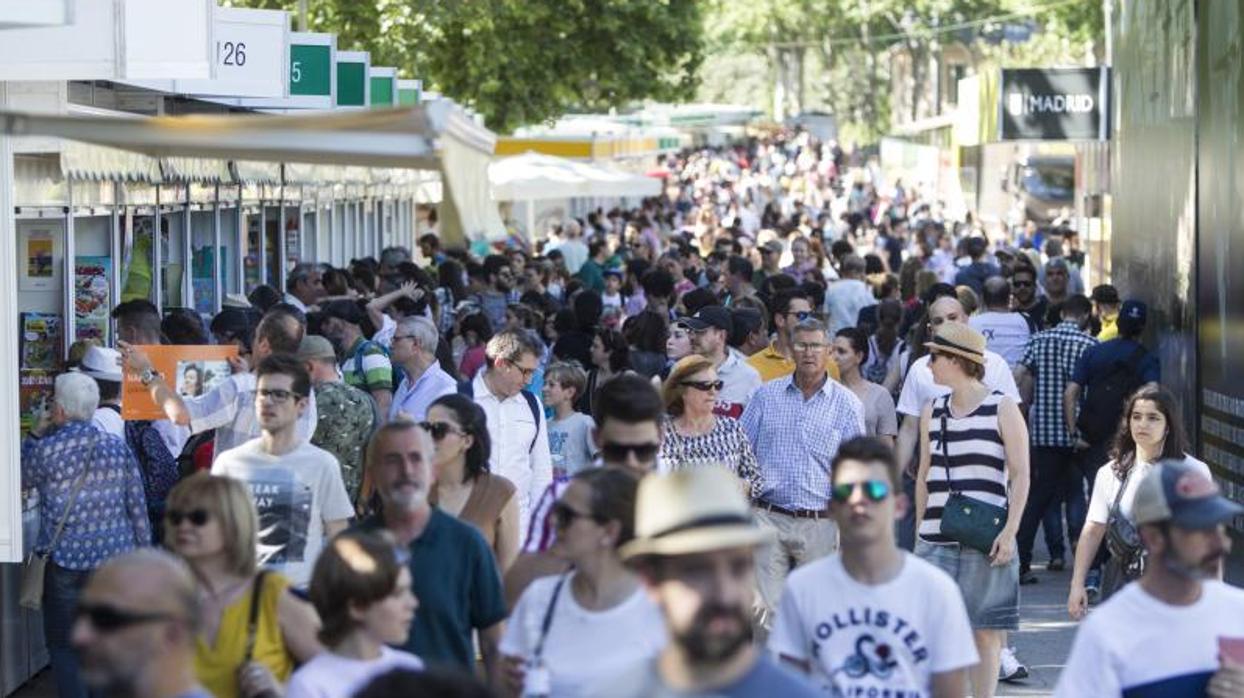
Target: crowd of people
x,y
779,431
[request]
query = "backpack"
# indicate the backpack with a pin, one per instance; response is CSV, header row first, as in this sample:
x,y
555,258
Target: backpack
x,y
468,389
1103,405
397,374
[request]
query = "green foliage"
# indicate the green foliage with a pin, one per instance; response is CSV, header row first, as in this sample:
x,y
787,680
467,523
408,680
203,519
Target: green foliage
x,y
524,61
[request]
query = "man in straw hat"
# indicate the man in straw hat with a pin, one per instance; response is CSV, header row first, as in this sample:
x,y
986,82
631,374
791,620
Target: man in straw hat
x,y
1177,631
694,549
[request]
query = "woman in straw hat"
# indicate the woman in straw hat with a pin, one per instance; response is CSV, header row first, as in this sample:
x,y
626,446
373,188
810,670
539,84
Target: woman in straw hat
x,y
974,446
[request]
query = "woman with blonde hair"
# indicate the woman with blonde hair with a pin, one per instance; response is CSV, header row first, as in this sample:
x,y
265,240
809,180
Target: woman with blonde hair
x,y
694,436
254,628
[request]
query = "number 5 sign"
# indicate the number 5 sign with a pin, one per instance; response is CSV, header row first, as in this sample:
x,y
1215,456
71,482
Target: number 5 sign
x,y
251,57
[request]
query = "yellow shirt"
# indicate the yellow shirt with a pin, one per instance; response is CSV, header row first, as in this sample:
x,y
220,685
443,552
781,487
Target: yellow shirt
x,y
216,666
770,364
1109,328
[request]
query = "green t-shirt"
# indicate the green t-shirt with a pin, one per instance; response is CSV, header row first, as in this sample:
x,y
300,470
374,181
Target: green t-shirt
x,y
455,577
367,367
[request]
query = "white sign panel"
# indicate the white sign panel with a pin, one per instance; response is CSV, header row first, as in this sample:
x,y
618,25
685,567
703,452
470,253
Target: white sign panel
x,y
251,55
35,13
129,39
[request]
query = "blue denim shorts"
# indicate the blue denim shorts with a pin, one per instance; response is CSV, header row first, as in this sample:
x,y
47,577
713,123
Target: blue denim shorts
x,y
990,593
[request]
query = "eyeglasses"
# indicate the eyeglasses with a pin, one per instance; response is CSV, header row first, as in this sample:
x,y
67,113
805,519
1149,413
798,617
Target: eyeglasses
x,y
402,336
874,490
438,430
107,619
705,386
800,315
1022,284
277,396
527,372
564,515
808,346
619,452
196,517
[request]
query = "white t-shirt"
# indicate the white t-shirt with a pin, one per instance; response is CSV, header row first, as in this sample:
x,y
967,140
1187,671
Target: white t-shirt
x,y
1005,333
887,639
919,388
583,645
108,421
295,494
331,675
1106,487
1134,644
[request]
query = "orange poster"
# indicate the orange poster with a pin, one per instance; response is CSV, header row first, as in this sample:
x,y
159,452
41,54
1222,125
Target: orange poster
x,y
189,370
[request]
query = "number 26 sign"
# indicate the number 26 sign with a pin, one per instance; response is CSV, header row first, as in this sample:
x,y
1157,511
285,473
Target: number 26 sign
x,y
252,55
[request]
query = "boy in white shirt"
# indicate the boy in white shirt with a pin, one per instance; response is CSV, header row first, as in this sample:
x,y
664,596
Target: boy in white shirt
x,y
873,619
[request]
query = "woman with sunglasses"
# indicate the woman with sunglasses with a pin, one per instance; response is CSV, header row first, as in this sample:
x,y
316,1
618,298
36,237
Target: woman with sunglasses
x,y
464,488
694,436
974,448
361,589
210,521
570,629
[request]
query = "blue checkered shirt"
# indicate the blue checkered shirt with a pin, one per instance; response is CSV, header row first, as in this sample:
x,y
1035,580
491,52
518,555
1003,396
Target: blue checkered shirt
x,y
1050,357
795,440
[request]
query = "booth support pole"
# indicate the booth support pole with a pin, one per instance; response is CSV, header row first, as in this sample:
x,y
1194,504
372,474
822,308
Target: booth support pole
x,y
69,324
282,244
10,402
263,240
117,255
217,270
187,256
239,252
157,255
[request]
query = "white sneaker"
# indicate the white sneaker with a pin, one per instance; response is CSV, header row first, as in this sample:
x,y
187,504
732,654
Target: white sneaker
x,y
1010,668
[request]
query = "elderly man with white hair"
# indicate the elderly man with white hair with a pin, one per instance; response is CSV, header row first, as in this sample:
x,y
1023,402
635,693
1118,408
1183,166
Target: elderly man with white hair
x,y
91,508
414,350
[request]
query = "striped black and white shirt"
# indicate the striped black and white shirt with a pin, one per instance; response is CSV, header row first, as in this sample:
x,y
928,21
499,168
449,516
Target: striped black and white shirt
x,y
977,462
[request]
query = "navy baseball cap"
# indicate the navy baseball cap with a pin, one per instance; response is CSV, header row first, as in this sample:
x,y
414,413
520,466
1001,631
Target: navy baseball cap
x,y
1177,492
1132,316
709,316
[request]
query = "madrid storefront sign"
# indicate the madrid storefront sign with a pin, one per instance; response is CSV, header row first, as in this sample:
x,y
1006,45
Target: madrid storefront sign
x,y
310,76
251,56
1055,104
383,87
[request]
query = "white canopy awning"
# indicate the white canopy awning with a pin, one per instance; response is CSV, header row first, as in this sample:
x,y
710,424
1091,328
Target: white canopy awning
x,y
90,162
533,176
435,136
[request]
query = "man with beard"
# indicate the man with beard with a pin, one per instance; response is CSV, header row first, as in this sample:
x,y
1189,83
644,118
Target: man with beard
x,y
365,364
694,548
452,570
499,293
1177,605
136,628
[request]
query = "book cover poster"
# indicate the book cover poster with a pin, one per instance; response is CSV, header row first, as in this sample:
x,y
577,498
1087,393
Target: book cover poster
x,y
193,368
35,388
40,340
91,282
39,250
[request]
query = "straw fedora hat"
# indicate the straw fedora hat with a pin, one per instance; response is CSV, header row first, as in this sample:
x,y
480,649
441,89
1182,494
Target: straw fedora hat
x,y
692,511
959,339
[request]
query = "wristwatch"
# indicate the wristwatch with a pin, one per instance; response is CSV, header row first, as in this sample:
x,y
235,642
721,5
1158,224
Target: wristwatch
x,y
148,375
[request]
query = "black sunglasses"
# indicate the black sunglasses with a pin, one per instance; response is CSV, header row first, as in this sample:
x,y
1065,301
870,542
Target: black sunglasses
x,y
438,430
197,517
564,515
874,490
619,452
705,386
800,315
108,619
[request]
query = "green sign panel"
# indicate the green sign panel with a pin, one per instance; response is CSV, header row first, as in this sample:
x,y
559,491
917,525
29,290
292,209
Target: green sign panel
x,y
351,84
408,97
381,91
310,70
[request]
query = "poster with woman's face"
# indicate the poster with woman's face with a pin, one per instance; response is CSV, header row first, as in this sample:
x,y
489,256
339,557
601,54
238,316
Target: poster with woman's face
x,y
197,377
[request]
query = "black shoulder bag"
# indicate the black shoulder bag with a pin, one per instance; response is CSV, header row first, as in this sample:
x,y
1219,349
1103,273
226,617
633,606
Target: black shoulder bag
x,y
966,520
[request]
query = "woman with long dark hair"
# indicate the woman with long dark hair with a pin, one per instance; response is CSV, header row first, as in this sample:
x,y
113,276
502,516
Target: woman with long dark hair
x,y
1149,431
610,356
465,489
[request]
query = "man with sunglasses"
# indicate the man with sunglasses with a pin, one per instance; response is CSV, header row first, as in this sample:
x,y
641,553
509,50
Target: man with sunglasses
x,y
710,330
788,308
516,423
873,619
137,626
297,488
795,426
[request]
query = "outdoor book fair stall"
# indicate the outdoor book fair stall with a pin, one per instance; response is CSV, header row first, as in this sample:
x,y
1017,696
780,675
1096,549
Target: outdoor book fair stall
x,y
177,151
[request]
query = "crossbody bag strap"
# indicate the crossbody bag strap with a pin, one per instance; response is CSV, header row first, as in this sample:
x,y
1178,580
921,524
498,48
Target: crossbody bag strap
x,y
1118,496
252,619
73,498
538,653
950,483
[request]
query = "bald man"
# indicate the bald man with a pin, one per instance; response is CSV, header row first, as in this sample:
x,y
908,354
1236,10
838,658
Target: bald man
x,y
136,624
